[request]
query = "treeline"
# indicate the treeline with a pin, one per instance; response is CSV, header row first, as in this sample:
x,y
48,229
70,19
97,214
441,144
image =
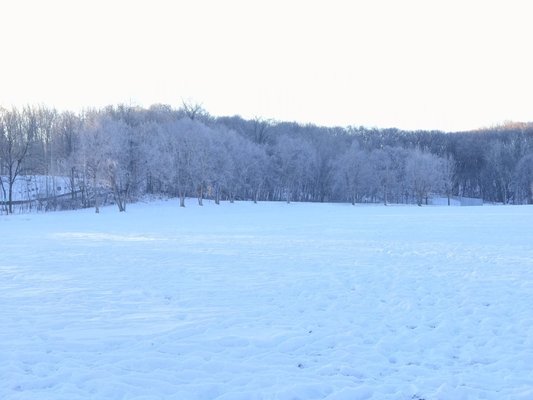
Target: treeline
x,y
123,152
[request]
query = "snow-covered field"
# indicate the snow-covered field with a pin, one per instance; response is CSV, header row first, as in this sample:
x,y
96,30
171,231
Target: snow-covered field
x,y
267,301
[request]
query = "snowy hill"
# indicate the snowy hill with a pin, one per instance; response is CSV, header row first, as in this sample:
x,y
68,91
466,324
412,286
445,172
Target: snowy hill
x,y
33,187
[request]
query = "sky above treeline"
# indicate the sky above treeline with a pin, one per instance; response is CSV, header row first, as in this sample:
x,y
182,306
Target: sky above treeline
x,y
446,65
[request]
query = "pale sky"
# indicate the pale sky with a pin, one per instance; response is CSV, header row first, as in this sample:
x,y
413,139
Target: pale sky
x,y
448,65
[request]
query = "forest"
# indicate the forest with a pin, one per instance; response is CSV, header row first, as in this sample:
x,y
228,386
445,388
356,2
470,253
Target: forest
x,y
120,153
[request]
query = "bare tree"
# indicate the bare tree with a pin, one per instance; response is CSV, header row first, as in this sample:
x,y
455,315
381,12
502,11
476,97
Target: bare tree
x,y
121,160
261,130
523,180
68,128
295,161
92,158
224,162
170,156
423,174
383,172
14,146
254,170
200,160
193,110
447,169
352,172
498,171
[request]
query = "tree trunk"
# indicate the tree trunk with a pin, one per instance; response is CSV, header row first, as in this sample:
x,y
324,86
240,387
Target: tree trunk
x,y
97,203
200,196
121,203
10,196
217,195
120,197
84,196
72,184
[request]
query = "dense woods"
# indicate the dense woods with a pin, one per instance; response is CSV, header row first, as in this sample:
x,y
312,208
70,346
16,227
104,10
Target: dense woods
x,y
119,153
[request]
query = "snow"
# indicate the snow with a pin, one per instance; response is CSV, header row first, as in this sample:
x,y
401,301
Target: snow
x,y
267,301
455,201
32,187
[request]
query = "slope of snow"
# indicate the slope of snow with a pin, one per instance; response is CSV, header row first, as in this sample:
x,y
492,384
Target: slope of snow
x,y
267,301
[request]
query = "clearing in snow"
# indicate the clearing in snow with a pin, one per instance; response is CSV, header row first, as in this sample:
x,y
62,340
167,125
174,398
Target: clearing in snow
x,y
267,301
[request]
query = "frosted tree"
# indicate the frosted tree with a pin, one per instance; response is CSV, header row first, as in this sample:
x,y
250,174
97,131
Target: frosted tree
x,y
523,180
352,172
179,168
163,152
14,145
193,111
68,127
185,152
382,172
201,166
91,164
226,163
423,174
255,169
46,128
327,143
249,163
447,168
260,132
121,160
498,171
174,162
109,156
295,160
